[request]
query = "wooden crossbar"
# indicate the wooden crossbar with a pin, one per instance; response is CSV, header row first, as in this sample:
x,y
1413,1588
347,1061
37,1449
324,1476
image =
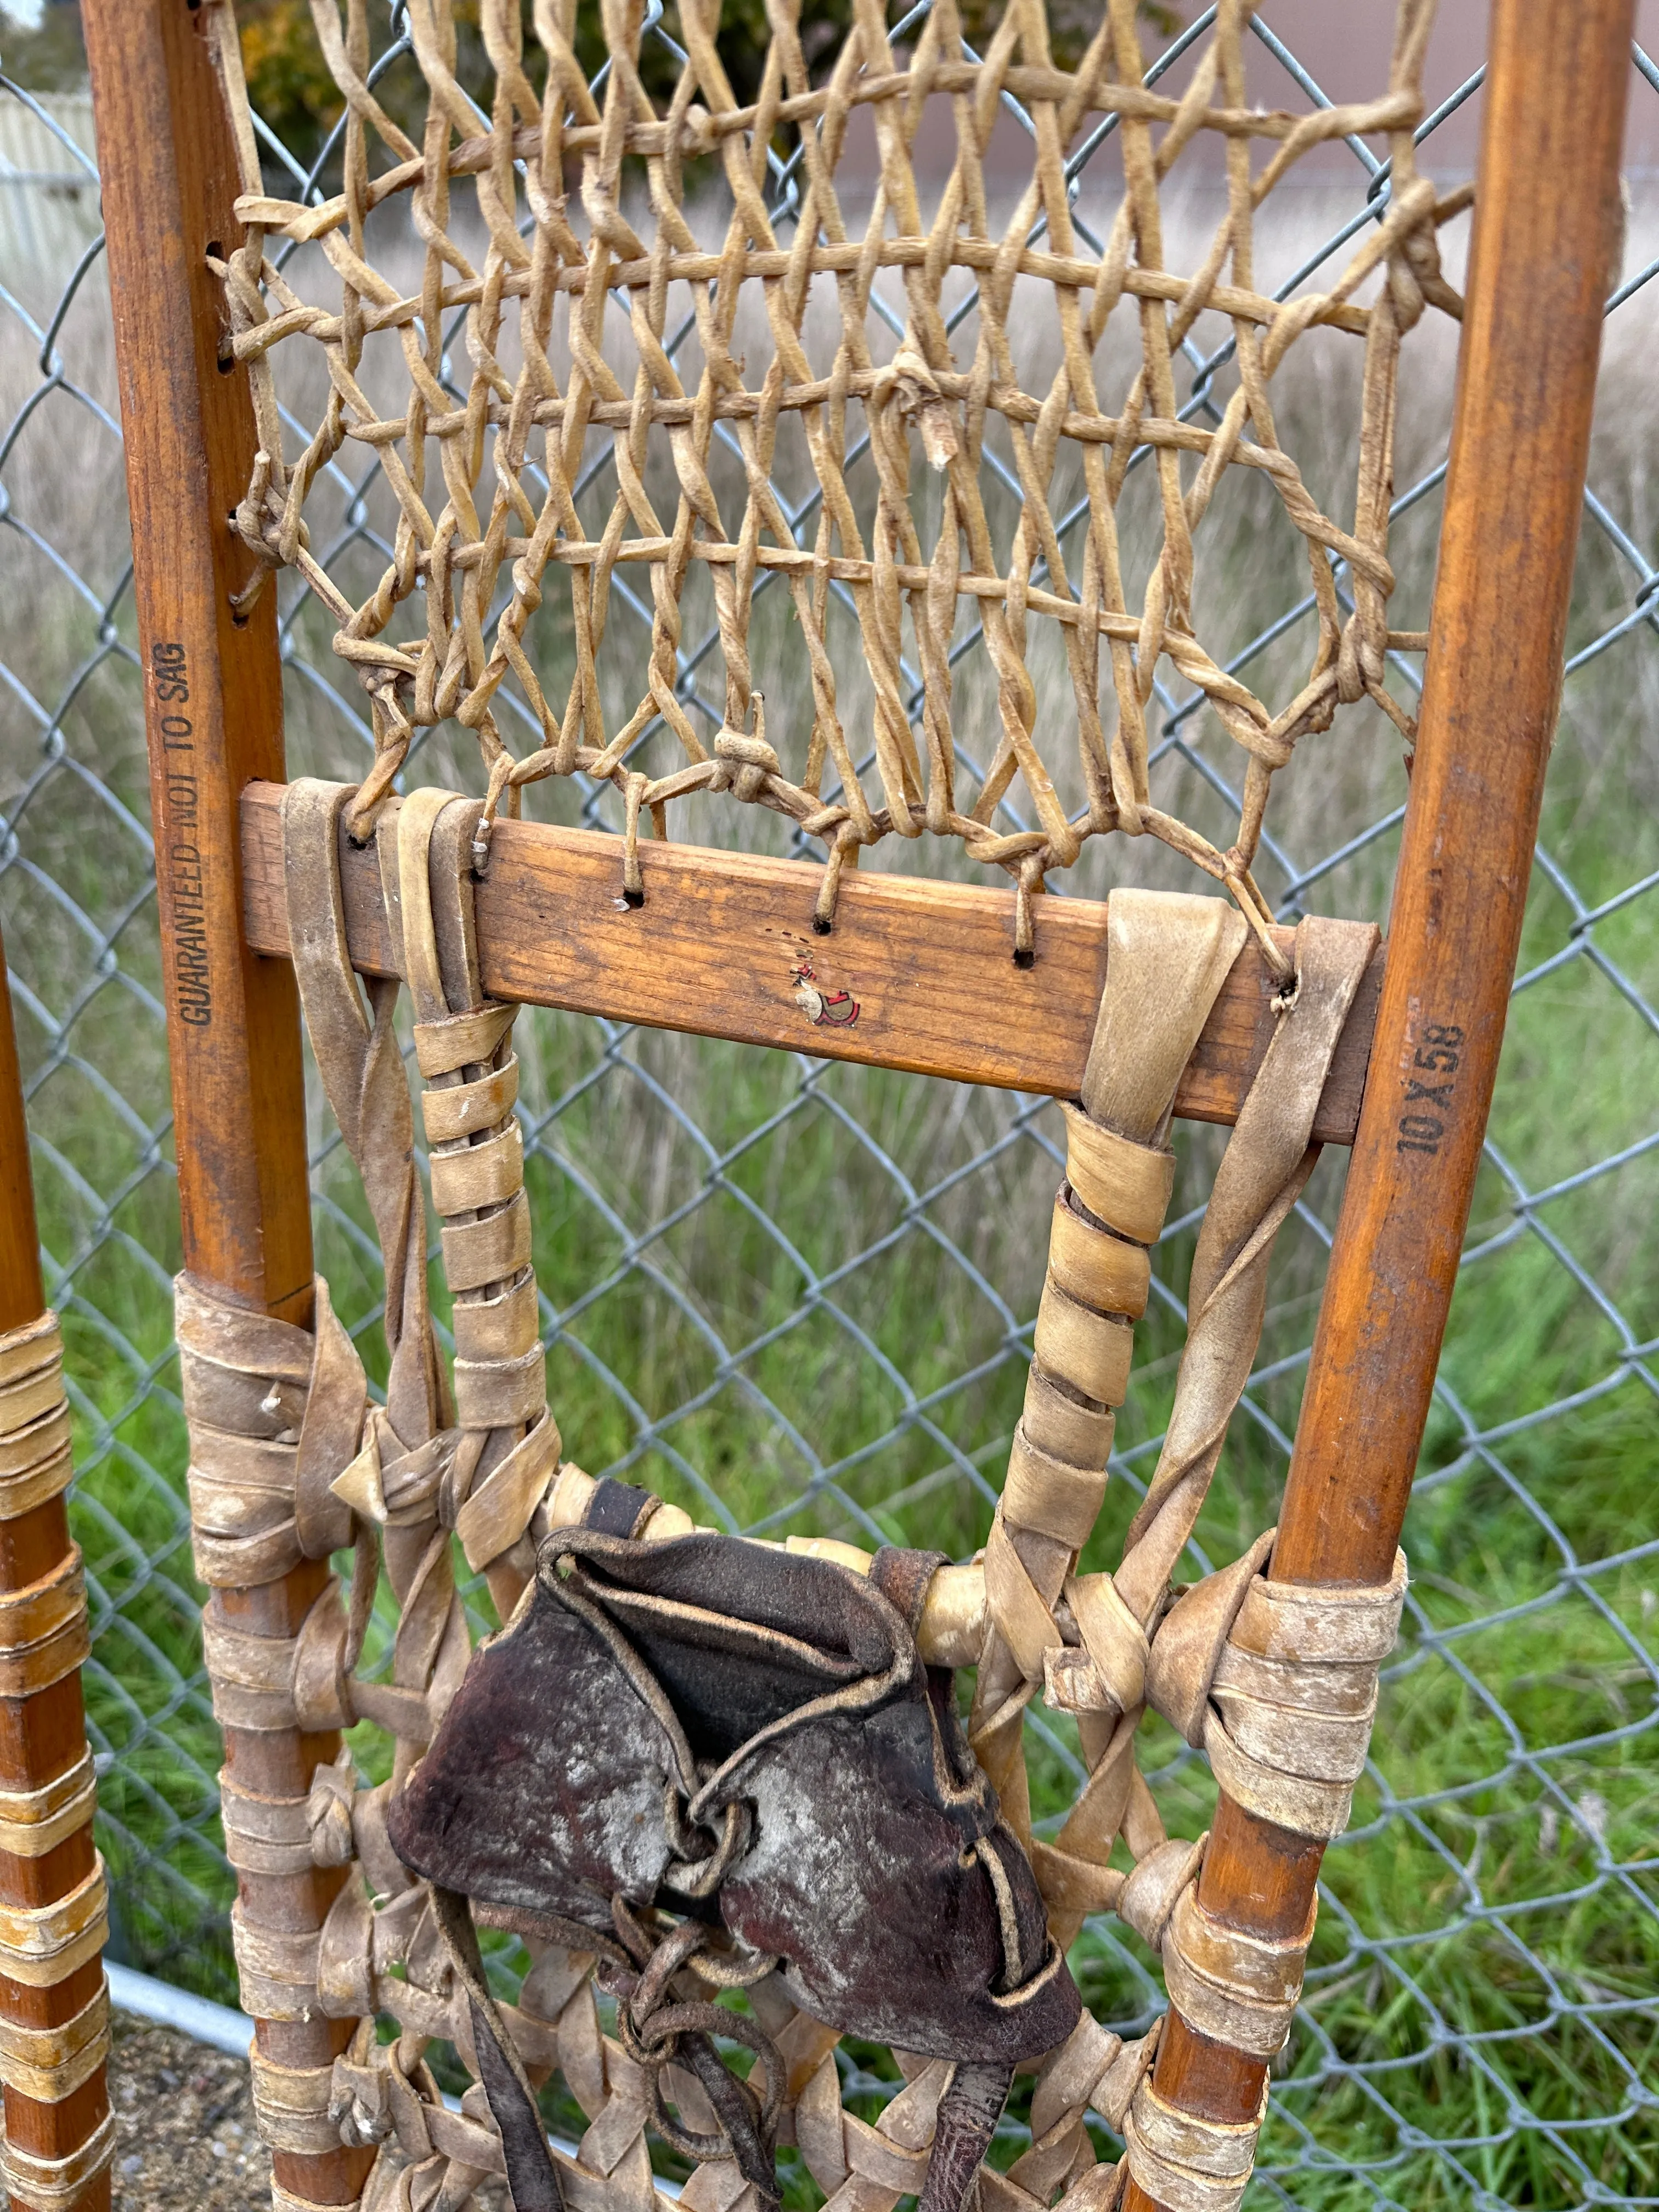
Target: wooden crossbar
x,y
916,975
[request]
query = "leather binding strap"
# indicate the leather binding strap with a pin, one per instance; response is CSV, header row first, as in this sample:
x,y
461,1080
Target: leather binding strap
x,y
1282,1705
506,1450
1167,958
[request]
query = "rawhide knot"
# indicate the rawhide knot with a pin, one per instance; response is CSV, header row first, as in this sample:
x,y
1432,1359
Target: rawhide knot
x,y
742,762
374,2089
1148,1900
911,385
328,1811
698,136
390,1484
1108,1673
702,1855
660,2026
1187,1647
261,519
1277,1682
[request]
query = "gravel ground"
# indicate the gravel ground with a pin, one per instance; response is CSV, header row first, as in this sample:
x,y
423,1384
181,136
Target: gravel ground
x,y
185,2136
185,2140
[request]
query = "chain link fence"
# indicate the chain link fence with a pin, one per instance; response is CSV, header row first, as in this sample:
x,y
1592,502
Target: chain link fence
x,y
797,1296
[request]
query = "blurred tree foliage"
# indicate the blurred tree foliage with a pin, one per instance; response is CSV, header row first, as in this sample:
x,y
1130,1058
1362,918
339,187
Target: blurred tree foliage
x,y
293,90
48,57
288,78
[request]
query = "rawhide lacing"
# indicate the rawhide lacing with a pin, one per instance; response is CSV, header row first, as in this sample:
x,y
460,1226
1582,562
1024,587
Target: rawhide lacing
x,y
43,1638
1275,1683
785,287
35,1429
1278,1685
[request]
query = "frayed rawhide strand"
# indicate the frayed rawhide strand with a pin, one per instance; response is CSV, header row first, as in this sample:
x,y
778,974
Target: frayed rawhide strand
x,y
541,182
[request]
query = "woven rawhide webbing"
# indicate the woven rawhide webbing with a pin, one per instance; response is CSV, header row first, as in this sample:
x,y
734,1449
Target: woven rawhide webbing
x,y
832,314
1275,1683
43,1638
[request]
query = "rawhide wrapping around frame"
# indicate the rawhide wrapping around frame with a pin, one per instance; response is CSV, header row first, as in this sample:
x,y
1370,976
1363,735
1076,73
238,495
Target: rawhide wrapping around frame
x,y
44,1636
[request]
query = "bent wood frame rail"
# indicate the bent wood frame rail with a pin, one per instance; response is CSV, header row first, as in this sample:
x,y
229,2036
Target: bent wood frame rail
x,y
1543,238
213,708
1546,228
42,1735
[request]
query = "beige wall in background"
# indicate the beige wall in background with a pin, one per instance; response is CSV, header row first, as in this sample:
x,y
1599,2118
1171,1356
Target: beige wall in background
x,y
1344,45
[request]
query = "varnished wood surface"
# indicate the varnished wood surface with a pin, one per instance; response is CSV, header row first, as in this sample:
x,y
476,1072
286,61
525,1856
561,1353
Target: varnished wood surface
x,y
44,1735
233,1019
213,701
1544,254
719,946
1546,219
